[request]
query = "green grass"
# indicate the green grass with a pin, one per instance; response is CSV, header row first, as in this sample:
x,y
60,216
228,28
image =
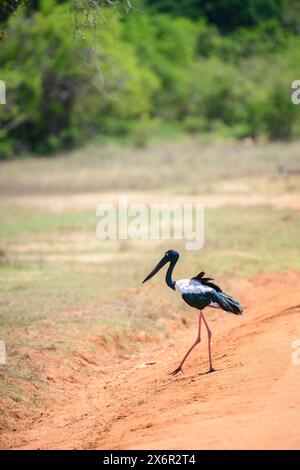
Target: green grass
x,y
238,242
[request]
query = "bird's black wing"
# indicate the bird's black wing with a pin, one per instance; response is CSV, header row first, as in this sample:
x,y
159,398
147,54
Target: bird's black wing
x,y
206,281
199,276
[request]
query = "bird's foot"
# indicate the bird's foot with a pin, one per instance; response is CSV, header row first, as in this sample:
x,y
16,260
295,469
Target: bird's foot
x,y
176,371
211,369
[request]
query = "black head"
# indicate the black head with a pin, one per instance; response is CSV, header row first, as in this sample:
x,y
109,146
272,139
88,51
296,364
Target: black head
x,y
170,256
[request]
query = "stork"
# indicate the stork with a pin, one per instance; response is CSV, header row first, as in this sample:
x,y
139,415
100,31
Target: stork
x,y
198,292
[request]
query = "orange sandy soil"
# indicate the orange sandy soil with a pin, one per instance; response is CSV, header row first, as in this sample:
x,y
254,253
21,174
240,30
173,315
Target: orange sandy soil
x,y
252,401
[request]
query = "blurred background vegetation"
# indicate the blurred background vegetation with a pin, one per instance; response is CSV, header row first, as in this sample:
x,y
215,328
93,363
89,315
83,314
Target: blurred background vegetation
x,y
77,70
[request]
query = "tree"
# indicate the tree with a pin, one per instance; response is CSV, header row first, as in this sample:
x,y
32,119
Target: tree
x,y
226,14
8,7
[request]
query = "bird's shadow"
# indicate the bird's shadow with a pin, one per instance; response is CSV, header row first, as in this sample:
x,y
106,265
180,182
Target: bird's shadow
x,y
200,374
217,370
188,377
208,372
204,373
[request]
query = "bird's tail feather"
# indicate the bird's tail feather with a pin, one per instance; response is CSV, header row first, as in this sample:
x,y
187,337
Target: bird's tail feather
x,y
229,304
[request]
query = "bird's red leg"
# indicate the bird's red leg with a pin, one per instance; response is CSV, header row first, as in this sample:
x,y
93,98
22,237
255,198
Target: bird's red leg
x,y
179,368
209,333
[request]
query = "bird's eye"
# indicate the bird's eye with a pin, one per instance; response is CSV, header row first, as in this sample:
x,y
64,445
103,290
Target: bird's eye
x,y
167,254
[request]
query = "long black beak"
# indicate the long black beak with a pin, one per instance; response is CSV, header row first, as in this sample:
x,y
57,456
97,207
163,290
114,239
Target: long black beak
x,y
159,265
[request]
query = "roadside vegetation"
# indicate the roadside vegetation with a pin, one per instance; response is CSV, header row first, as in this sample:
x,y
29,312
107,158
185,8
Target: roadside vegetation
x,y
154,70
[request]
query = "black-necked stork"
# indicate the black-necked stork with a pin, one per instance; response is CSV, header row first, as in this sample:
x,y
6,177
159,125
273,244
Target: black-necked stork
x,y
198,292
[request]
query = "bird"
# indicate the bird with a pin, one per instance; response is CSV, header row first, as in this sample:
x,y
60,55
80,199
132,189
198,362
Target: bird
x,y
198,292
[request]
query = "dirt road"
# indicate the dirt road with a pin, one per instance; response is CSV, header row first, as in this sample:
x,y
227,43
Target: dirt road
x,y
252,401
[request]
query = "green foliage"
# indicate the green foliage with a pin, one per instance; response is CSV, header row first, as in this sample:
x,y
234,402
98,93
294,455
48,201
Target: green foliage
x,y
120,75
226,14
7,8
62,89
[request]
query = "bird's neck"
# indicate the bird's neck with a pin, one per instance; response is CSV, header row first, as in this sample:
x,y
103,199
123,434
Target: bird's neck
x,y
170,282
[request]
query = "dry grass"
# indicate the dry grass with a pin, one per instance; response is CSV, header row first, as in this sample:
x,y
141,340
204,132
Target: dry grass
x,y
187,167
